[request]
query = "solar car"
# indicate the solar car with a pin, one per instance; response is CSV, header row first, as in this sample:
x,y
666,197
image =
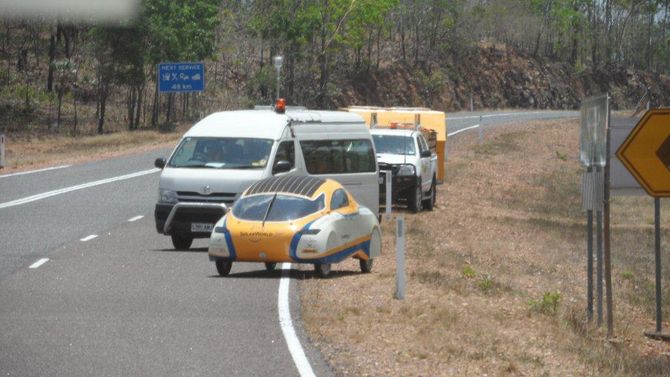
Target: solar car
x,y
298,219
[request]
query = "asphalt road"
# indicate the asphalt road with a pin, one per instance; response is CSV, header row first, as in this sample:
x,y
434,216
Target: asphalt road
x,y
124,302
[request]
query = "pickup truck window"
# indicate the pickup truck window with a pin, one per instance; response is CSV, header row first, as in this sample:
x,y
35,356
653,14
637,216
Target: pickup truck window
x,y
221,153
393,144
423,146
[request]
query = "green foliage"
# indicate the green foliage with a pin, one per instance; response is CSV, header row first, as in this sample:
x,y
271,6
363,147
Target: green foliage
x,y
181,30
485,284
469,272
547,305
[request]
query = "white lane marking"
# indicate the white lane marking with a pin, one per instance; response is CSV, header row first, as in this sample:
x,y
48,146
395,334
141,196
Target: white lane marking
x,y
135,218
48,194
462,130
294,347
88,238
493,115
39,263
34,171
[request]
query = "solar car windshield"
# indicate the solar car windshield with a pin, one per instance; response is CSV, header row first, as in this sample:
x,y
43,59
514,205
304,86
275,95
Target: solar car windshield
x,y
276,207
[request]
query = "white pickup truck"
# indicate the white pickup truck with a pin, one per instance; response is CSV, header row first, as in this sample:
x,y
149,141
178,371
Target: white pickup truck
x,y
406,153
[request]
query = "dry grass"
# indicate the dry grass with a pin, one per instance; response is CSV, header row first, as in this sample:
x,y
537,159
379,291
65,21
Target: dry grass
x,y
496,275
25,152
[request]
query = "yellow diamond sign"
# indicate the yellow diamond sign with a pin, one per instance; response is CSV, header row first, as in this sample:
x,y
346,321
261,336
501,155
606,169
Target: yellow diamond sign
x,y
646,152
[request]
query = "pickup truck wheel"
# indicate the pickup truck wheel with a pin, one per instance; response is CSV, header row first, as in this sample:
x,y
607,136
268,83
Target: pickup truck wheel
x,y
322,269
181,242
415,199
223,266
430,202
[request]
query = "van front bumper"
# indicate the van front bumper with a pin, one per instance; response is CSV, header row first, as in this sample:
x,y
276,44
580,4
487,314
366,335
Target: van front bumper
x,y
177,218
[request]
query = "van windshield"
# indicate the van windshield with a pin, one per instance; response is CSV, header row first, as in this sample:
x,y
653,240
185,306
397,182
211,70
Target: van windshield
x,y
392,144
282,207
221,153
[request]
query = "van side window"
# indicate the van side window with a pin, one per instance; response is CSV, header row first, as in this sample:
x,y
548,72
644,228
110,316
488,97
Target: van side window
x,y
339,199
338,156
286,152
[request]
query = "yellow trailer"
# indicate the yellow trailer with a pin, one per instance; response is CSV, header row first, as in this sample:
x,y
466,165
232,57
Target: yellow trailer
x,y
420,116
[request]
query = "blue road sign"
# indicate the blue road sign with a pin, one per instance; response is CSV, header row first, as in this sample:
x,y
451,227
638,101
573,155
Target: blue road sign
x,y
181,77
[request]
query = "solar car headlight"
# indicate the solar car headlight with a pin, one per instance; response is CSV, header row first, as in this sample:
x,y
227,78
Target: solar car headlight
x,y
406,170
167,196
310,232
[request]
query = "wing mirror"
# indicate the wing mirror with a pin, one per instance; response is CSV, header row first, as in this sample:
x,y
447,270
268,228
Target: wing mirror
x,y
426,153
160,162
281,167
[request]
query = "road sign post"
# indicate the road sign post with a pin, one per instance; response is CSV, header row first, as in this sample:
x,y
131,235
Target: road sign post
x,y
592,154
646,154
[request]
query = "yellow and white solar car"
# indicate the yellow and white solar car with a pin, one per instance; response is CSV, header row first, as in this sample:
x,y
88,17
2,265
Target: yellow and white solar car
x,y
299,219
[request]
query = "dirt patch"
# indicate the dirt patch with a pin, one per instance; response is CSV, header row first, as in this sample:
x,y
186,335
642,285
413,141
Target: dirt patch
x,y
496,275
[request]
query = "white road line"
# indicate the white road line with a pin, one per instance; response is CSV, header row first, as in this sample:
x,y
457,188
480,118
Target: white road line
x,y
88,238
135,218
34,171
294,347
39,263
462,130
48,194
493,115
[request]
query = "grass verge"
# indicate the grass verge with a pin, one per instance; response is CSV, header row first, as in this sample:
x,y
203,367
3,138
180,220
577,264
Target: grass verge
x,y
496,275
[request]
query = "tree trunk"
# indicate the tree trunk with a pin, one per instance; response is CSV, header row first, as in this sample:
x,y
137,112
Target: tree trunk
x,y
101,117
52,57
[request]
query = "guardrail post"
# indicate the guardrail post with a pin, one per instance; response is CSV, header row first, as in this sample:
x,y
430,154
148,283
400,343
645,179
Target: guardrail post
x,y
400,258
2,150
481,136
389,193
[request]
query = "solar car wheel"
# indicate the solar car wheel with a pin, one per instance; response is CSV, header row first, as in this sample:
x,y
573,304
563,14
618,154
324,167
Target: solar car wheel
x,y
223,267
322,269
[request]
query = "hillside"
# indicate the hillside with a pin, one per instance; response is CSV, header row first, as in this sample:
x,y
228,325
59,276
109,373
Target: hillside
x,y
499,78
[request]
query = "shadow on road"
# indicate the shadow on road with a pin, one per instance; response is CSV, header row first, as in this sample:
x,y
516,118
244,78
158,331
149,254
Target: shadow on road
x,y
276,274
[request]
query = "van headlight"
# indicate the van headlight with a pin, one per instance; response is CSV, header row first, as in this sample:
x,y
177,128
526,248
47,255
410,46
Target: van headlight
x,y
406,170
167,196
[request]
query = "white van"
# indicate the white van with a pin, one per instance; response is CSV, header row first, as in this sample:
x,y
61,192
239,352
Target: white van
x,y
224,153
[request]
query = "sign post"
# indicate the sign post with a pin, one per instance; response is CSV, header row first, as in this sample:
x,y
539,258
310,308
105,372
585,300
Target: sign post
x,y
646,154
592,155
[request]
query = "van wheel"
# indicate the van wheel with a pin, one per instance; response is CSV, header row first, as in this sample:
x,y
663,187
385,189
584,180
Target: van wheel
x,y
366,265
322,269
223,266
415,198
432,194
181,242
270,266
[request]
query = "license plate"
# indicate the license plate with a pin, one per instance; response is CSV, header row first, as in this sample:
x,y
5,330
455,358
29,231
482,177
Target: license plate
x,y
201,227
